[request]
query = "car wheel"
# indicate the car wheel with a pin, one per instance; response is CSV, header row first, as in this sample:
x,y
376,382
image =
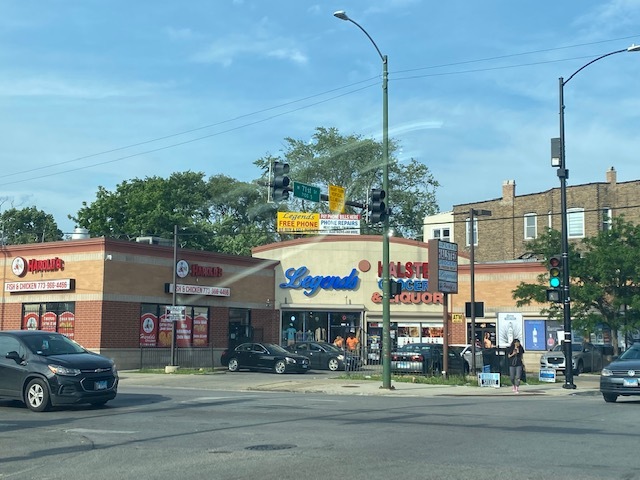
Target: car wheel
x,y
37,395
609,397
579,370
280,367
234,366
334,364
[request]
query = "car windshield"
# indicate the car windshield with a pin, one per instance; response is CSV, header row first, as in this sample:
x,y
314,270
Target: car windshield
x,y
575,347
633,353
50,344
273,348
331,347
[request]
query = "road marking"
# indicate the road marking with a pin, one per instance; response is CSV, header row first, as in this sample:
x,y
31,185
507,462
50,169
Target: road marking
x,y
88,430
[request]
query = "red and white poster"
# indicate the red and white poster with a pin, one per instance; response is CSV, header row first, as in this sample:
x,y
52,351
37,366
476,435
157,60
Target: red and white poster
x,y
31,321
183,332
49,322
149,330
200,331
165,329
67,323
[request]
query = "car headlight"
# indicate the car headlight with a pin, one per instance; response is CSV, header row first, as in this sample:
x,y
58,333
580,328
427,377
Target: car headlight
x,y
114,370
606,372
340,357
60,370
290,360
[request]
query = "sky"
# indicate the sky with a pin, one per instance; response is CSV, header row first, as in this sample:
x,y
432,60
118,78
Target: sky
x,y
94,93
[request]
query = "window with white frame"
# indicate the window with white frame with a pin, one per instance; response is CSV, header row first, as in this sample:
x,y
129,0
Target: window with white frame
x,y
468,233
607,219
530,226
575,222
443,234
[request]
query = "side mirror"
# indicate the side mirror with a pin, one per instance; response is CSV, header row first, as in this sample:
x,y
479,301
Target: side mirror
x,y
13,355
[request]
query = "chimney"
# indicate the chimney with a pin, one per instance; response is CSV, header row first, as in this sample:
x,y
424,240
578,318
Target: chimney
x,y
508,191
611,176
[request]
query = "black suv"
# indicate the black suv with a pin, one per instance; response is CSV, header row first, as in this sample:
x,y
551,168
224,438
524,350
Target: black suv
x,y
44,369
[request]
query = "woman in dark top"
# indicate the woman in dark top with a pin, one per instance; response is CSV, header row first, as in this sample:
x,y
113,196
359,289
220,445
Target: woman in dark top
x,y
514,355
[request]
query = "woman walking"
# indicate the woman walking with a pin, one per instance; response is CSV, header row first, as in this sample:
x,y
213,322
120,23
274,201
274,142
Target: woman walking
x,y
514,354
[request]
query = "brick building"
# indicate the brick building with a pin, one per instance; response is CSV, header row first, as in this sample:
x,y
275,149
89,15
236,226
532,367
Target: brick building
x,y
517,219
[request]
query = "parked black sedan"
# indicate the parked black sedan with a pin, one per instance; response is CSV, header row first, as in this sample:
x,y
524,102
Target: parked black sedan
x,y
323,356
44,369
266,356
622,376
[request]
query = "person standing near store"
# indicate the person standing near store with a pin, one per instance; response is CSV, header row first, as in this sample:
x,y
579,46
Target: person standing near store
x,y
514,354
487,341
352,342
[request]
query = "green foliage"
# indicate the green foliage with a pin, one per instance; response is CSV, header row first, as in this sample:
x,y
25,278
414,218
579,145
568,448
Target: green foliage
x,y
355,163
28,225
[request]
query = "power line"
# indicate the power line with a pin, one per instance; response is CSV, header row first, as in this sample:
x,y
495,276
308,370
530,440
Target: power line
x,y
247,115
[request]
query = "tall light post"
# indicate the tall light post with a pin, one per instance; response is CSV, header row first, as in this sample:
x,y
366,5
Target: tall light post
x,y
386,311
563,174
473,213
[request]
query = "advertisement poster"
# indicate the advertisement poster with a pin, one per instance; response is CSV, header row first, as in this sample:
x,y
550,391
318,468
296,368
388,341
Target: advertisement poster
x,y
49,322
183,332
165,329
509,327
200,334
148,330
66,323
30,321
554,334
534,335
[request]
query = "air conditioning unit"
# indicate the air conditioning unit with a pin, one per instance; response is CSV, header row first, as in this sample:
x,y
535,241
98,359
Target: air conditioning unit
x,y
165,242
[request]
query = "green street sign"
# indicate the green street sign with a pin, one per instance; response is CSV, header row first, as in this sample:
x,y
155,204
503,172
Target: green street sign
x,y
306,192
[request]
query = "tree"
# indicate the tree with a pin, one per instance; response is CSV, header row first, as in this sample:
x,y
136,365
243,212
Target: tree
x,y
604,283
218,214
28,225
354,163
151,207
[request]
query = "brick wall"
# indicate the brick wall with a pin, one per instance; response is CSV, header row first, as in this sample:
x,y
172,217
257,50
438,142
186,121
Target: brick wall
x,y
501,236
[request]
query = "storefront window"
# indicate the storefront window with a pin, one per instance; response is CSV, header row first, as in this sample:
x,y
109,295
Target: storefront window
x,y
52,317
156,328
301,325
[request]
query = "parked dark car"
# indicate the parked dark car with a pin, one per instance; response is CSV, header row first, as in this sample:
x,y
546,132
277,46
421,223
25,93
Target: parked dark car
x,y
585,357
622,376
326,356
426,359
44,369
266,356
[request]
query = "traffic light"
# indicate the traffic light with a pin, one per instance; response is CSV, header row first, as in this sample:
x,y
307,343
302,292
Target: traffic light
x,y
554,294
377,206
280,186
555,271
395,288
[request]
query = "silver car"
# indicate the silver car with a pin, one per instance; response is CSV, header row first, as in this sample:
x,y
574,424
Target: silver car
x,y
585,357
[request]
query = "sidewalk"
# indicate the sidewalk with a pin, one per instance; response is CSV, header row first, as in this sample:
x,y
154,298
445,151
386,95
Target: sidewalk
x,y
324,383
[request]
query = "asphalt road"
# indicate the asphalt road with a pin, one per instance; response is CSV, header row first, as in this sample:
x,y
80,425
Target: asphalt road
x,y
158,432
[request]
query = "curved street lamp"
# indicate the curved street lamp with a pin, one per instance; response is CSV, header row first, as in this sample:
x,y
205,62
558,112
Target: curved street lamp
x,y
563,174
386,292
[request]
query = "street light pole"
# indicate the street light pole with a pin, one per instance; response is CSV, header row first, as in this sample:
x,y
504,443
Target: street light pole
x,y
563,174
386,293
472,283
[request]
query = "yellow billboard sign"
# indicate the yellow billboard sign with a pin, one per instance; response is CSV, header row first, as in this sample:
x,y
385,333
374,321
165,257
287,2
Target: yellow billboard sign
x,y
336,198
298,222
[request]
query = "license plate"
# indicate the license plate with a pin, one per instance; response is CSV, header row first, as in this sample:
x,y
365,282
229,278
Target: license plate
x,y
100,385
629,382
304,365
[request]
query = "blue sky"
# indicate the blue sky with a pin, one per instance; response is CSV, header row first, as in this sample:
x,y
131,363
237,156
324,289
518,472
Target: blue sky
x,y
93,93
